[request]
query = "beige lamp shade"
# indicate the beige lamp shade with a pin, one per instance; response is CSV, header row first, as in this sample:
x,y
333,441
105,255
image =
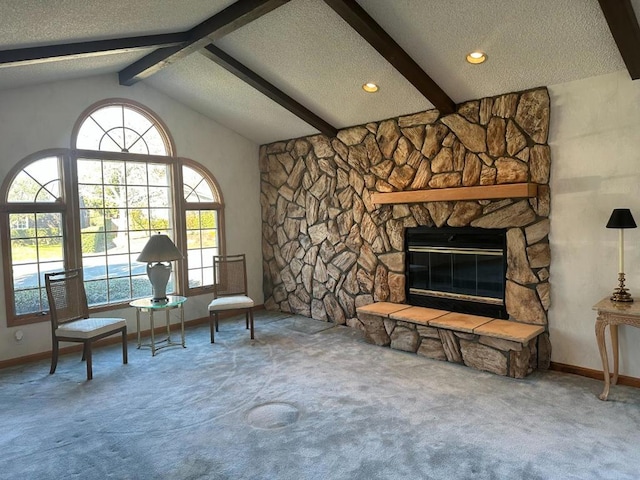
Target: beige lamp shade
x,y
159,248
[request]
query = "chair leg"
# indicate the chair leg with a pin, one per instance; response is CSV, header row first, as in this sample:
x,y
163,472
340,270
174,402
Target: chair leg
x,y
54,356
251,322
84,351
211,326
246,320
125,358
216,315
89,360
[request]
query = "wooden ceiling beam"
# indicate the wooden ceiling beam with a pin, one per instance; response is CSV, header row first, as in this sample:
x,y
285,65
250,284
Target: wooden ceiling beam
x,y
53,53
624,27
386,46
231,18
250,77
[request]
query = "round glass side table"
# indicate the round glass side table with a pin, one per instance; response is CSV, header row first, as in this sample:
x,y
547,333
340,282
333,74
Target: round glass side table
x,y
149,306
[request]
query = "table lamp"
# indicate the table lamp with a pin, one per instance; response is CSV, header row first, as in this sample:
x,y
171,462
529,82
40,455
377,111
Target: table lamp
x,y
162,250
621,218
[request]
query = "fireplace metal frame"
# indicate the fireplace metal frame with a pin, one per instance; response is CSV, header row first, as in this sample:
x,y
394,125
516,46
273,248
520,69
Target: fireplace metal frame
x,y
459,240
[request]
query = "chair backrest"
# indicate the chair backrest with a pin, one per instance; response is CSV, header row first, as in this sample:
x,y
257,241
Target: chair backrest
x,y
229,275
67,297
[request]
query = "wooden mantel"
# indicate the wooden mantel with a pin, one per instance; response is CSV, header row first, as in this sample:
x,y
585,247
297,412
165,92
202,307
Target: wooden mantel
x,y
486,192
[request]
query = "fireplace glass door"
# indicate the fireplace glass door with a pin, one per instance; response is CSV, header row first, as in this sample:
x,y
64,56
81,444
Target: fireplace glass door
x,y
457,269
458,273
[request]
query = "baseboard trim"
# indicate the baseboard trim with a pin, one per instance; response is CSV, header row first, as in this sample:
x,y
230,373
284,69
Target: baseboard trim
x,y
131,336
590,373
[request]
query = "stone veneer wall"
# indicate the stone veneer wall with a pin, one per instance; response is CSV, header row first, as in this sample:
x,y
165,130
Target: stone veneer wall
x,y
328,249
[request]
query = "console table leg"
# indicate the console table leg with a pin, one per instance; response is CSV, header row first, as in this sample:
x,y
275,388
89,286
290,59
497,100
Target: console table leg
x,y
613,329
600,336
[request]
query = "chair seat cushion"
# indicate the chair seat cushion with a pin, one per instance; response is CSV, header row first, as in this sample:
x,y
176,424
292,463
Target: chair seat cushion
x,y
89,327
230,303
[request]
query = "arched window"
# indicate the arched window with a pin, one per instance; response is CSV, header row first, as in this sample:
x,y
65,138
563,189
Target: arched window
x,y
34,232
122,127
95,205
203,214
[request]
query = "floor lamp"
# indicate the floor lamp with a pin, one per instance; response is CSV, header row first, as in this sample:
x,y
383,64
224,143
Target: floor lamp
x,y
621,218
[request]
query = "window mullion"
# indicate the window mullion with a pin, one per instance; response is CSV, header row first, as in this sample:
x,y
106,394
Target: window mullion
x,y
124,132
71,214
179,227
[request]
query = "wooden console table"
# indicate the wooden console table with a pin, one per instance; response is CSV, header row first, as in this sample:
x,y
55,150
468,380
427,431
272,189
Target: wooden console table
x,y
613,314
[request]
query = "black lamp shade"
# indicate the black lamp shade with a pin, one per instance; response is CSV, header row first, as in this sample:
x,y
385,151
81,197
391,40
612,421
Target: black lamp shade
x,y
621,218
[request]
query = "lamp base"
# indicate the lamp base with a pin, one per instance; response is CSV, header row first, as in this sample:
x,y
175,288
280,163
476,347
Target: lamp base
x,y
621,294
159,274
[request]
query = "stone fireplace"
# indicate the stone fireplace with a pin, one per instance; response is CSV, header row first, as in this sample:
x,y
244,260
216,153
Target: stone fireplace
x,y
331,245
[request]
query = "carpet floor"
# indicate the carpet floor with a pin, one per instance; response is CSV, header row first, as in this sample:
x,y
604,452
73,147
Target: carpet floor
x,y
306,400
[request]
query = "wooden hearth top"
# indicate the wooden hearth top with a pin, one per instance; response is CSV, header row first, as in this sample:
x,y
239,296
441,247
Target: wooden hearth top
x,y
419,315
515,331
382,309
460,322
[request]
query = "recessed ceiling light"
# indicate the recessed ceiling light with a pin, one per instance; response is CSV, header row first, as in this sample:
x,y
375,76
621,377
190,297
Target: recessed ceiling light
x,y
370,87
476,57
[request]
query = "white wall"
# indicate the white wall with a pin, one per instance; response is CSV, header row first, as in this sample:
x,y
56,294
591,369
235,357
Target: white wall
x,y
595,148
41,117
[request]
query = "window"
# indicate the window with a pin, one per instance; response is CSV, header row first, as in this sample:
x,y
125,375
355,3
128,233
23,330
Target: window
x,y
122,128
35,237
95,205
120,204
203,208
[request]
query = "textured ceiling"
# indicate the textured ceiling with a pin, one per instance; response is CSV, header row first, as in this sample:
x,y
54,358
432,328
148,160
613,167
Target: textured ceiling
x,y
37,22
66,69
218,94
529,43
306,50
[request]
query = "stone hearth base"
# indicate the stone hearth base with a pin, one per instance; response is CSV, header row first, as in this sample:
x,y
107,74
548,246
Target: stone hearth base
x,y
498,346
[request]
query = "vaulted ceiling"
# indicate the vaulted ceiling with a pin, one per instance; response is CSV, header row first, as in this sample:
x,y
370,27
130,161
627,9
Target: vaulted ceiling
x,y
279,69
